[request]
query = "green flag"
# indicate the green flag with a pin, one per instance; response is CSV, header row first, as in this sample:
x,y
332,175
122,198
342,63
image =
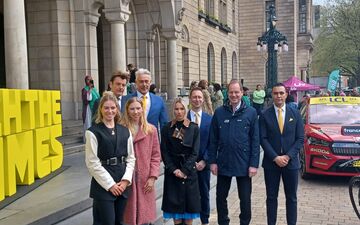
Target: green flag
x,y
333,81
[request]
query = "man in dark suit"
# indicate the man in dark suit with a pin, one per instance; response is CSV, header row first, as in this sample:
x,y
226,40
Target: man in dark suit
x,y
155,110
282,137
203,119
117,84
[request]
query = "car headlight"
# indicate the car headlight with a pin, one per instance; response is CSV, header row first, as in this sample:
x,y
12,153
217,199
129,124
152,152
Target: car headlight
x,y
318,142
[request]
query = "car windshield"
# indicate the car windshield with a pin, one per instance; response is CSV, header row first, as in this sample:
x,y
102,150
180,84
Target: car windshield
x,y
334,114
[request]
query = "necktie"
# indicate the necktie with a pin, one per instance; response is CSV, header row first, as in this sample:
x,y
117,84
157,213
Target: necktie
x,y
144,102
197,118
280,120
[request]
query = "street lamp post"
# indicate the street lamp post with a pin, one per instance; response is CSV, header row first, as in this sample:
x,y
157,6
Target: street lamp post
x,y
273,42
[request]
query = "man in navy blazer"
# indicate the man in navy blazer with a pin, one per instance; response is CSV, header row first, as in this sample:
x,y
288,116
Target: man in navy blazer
x,y
203,119
282,137
118,83
156,113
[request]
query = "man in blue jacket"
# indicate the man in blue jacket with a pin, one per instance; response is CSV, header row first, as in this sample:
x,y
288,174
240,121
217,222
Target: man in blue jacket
x,y
203,120
282,137
155,110
234,152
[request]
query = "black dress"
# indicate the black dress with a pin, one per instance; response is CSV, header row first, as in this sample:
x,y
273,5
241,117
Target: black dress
x,y
180,143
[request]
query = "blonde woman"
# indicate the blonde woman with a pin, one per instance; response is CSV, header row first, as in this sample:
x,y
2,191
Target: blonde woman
x,y
180,143
110,159
141,206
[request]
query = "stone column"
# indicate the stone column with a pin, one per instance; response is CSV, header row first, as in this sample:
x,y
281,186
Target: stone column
x,y
16,58
171,69
117,18
150,54
118,47
90,50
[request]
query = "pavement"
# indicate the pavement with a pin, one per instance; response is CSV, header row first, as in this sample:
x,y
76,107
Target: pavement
x,y
63,200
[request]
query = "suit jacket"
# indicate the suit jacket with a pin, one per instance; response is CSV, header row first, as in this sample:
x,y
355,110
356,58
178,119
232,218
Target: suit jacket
x,y
288,143
157,114
204,135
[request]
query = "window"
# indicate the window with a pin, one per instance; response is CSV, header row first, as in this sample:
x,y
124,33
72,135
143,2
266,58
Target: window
x,y
211,63
233,16
185,67
267,13
209,7
317,16
223,66
222,12
234,66
302,16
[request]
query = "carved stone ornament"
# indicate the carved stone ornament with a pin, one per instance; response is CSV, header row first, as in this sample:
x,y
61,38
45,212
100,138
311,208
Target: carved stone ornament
x,y
180,16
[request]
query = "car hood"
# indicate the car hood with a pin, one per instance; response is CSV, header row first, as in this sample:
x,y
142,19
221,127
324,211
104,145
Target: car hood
x,y
334,132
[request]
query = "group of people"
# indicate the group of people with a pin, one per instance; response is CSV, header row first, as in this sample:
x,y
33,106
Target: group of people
x,y
124,150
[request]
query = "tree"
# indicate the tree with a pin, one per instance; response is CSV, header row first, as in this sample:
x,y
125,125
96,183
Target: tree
x,y
338,45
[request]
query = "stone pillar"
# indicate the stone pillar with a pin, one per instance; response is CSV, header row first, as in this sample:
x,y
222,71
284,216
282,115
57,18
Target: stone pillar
x,y
91,49
16,58
117,18
118,47
171,69
150,54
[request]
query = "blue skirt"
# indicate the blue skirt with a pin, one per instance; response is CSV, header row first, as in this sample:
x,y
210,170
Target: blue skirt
x,y
178,216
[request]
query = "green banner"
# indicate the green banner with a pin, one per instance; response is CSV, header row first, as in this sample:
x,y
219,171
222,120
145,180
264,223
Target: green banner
x,y
333,81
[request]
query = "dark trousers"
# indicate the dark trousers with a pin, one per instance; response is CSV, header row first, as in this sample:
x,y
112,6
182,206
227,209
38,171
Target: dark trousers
x,y
272,182
244,193
258,107
109,212
204,187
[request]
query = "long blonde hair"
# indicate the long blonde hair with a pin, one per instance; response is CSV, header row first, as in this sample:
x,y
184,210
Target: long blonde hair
x,y
127,122
107,96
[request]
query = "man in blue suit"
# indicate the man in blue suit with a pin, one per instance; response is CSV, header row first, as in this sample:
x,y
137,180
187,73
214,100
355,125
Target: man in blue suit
x,y
282,137
156,113
203,119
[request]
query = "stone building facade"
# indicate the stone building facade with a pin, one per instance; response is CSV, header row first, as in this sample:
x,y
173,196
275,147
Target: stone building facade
x,y
53,44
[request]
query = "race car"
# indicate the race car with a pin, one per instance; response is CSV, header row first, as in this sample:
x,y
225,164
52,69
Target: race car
x,y
332,136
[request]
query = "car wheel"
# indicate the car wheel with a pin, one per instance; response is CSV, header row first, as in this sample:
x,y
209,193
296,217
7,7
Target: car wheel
x,y
304,174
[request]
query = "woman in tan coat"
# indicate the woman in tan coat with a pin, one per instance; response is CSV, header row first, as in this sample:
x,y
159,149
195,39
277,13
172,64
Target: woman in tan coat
x,y
141,206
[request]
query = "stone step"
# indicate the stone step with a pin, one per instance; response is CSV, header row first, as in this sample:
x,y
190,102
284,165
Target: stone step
x,y
68,140
73,131
71,123
73,148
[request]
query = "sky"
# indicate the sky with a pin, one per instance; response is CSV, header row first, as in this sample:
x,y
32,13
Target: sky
x,y
319,2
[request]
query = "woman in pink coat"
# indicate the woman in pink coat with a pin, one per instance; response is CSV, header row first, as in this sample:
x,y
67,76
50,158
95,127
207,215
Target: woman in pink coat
x,y
141,205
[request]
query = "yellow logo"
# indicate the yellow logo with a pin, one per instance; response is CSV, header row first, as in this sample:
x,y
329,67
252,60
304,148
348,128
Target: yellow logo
x,y
30,122
335,100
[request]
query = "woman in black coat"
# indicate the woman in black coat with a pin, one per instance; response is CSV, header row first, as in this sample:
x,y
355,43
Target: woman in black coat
x,y
180,143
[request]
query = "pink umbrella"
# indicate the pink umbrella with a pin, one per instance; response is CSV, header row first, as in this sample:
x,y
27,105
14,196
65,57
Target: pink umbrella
x,y
295,84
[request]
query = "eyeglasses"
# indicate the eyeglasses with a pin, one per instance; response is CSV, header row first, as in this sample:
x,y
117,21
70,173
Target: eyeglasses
x,y
278,93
